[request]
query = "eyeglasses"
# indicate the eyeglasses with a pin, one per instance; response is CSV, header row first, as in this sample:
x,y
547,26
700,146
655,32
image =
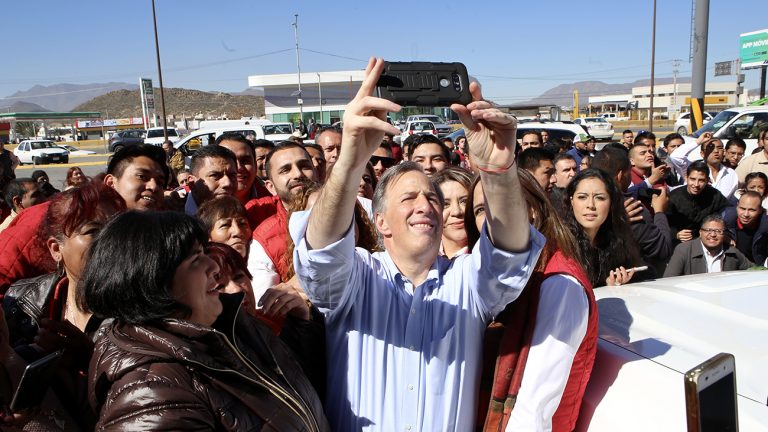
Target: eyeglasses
x,y
712,231
386,162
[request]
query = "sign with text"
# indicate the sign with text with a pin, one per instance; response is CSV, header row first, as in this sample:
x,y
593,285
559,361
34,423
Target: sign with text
x,y
753,49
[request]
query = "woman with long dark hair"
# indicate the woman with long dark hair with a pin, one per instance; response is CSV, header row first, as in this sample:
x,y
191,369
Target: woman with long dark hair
x,y
179,355
538,353
598,220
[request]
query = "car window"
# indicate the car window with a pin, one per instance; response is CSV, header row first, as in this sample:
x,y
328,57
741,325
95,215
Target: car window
x,y
748,126
716,123
277,129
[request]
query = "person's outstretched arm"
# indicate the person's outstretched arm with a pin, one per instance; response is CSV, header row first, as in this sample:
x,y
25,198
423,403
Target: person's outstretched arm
x,y
492,137
364,128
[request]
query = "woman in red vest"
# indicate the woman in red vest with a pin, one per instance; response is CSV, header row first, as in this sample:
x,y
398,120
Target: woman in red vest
x,y
538,353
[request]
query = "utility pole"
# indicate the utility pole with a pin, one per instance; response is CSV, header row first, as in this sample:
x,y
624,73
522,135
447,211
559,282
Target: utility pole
x,y
653,66
698,80
320,97
160,74
675,71
298,64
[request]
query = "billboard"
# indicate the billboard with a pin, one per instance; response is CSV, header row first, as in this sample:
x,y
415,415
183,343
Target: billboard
x,y
753,49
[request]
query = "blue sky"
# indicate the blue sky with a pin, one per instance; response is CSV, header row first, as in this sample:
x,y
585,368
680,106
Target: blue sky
x,y
516,49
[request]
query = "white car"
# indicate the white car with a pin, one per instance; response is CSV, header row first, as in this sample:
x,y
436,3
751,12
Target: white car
x,y
74,151
651,333
683,122
559,132
418,127
156,137
740,122
40,152
441,126
598,127
278,131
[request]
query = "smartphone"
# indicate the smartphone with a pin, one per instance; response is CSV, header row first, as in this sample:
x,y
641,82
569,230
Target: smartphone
x,y
424,84
35,381
710,395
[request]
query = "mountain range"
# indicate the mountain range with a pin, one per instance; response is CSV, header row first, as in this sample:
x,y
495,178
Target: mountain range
x,y
63,97
562,95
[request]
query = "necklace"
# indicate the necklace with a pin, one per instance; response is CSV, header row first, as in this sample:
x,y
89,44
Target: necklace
x,y
70,314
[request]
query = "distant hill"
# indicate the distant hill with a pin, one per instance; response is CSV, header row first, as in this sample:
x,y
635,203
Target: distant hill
x,y
26,107
178,102
562,95
64,97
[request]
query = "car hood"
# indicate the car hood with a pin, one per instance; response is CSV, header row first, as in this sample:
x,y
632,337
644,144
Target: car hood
x,y
50,151
680,322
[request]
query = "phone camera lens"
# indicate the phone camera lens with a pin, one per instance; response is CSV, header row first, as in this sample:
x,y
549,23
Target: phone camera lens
x,y
444,82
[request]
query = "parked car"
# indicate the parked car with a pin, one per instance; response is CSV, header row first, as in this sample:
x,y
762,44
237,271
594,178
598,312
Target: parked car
x,y
598,127
278,131
443,129
683,122
740,122
419,127
652,332
40,152
613,116
125,138
156,137
74,151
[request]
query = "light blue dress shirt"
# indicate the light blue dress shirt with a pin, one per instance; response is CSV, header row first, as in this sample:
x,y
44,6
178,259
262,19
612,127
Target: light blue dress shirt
x,y
404,357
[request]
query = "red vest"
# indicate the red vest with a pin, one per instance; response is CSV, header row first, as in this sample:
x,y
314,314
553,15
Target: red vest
x,y
260,209
508,341
22,254
272,234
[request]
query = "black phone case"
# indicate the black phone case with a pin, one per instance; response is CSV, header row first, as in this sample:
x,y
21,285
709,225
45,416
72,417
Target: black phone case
x,y
35,381
425,84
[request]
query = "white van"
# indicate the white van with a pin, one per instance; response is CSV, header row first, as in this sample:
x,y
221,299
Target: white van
x,y
203,137
156,137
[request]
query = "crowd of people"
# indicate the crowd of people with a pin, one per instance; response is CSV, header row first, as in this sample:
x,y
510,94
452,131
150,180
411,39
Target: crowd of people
x,y
353,283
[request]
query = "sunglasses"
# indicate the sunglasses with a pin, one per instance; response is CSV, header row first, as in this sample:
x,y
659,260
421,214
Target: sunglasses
x,y
386,162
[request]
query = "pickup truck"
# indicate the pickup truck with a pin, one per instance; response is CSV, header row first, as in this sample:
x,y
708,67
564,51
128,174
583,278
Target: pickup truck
x,y
613,117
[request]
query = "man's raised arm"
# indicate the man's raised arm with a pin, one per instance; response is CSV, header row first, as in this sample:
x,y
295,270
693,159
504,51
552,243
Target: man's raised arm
x,y
364,127
492,137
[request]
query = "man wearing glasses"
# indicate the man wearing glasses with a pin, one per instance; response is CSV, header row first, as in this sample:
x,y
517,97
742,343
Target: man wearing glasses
x,y
382,159
708,254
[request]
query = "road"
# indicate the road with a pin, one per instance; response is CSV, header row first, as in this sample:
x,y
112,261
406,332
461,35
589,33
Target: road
x,y
90,164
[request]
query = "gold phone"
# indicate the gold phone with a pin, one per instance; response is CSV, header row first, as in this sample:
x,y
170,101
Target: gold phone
x,y
710,395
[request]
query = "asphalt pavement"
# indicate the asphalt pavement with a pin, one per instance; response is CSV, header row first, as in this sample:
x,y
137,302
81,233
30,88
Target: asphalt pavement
x,y
90,164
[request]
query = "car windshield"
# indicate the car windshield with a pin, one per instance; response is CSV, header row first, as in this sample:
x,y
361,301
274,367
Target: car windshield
x,y
595,120
277,129
434,119
716,123
422,126
157,133
42,145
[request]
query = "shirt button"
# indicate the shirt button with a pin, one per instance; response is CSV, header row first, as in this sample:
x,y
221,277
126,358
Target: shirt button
x,y
407,427
411,348
410,387
413,311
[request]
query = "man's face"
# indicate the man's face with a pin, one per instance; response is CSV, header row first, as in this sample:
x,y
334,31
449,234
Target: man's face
x,y
168,148
530,140
261,157
717,154
581,145
381,160
641,157
246,165
545,136
627,138
591,145
697,181
289,169
649,142
748,209
330,142
431,158
182,178
216,177
412,219
733,155
565,171
318,161
544,174
673,145
712,234
141,184
32,196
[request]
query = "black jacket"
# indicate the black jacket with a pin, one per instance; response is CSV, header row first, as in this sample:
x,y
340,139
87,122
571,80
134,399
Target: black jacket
x,y
687,211
654,238
759,242
177,375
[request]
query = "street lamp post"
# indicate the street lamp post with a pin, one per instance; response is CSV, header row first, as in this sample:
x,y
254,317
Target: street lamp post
x,y
159,73
320,97
298,63
653,64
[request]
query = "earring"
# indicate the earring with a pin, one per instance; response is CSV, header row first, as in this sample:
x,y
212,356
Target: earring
x,y
60,268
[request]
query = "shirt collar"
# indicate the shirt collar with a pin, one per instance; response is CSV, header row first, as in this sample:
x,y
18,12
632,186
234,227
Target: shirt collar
x,y
433,279
710,256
